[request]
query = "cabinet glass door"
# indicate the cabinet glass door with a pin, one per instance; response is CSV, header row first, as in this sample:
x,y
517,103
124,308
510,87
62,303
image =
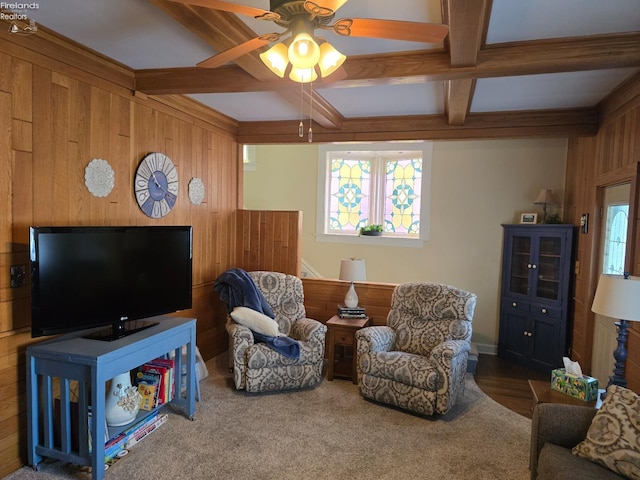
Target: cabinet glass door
x,y
520,261
549,263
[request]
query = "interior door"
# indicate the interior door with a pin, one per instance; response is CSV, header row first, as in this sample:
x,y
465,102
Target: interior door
x,y
615,220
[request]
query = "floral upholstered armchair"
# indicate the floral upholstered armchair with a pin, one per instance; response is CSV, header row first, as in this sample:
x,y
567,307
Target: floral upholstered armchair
x,y
257,367
418,361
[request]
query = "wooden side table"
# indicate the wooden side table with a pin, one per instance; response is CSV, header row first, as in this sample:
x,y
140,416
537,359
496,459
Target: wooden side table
x,y
543,393
342,333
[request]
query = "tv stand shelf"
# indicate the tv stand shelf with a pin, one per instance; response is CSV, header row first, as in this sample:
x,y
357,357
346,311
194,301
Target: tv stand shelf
x,y
92,363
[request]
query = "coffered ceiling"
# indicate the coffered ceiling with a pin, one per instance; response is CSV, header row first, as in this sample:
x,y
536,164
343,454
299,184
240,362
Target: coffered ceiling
x,y
540,66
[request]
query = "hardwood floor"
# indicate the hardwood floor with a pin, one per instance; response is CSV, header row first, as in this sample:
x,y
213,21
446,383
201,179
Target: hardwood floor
x,y
507,382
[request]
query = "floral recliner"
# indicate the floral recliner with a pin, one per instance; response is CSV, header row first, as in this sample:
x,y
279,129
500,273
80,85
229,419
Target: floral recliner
x,y
258,368
418,361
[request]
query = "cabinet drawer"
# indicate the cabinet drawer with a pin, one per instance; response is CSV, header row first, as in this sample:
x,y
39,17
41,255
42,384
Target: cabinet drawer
x,y
515,305
546,311
343,336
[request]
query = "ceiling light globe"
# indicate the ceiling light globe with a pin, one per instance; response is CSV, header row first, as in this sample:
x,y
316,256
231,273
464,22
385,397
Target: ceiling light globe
x,y
330,59
304,52
303,75
275,59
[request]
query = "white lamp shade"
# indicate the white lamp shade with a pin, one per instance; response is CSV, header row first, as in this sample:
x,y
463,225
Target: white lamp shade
x,y
618,298
352,270
545,197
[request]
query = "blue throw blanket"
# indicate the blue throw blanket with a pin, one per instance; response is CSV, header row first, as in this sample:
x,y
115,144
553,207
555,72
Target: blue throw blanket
x,y
237,289
284,345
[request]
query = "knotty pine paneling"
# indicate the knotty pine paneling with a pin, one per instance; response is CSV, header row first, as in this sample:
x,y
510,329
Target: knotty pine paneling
x,y
609,157
55,119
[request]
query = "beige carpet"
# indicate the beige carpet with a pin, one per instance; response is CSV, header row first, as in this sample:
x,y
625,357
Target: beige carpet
x,y
329,432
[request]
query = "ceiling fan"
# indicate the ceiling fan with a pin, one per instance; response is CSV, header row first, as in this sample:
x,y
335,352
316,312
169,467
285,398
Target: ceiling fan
x,y
301,18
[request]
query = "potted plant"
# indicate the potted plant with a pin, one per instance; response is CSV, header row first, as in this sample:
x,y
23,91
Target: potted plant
x,y
372,230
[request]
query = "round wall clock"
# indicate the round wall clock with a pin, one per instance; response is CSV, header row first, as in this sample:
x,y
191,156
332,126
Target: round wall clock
x,y
156,185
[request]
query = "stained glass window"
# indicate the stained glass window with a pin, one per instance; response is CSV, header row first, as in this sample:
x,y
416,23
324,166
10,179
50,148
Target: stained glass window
x,y
616,239
403,183
350,194
374,187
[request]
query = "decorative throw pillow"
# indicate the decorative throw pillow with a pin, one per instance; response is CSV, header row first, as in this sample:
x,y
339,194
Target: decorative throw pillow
x,y
256,321
613,439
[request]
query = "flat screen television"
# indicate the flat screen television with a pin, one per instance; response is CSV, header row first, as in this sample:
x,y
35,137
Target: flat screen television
x,y
85,277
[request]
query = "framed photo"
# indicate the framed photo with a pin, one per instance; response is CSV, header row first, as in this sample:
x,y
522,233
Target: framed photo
x,y
531,218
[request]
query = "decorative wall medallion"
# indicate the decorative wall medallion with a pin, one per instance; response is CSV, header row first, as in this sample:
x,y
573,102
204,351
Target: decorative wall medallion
x,y
156,185
196,190
99,177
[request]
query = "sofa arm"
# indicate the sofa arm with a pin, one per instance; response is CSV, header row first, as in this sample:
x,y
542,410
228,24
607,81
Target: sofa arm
x,y
450,359
562,425
375,339
240,338
308,329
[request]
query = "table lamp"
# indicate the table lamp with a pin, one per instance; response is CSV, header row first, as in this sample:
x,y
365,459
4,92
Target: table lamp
x,y
545,197
618,297
352,270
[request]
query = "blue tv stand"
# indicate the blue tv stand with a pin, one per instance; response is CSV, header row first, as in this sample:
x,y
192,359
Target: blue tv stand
x,y
91,363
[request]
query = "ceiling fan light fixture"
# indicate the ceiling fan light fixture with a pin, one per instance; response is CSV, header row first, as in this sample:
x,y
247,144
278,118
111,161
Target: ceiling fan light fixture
x,y
304,52
330,59
276,59
303,75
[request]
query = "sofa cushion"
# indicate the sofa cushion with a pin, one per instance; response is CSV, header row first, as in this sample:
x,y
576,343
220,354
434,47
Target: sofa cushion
x,y
256,321
557,463
613,437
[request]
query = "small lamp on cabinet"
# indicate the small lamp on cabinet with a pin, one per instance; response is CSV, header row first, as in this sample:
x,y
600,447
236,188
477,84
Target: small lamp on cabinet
x,y
618,297
545,197
352,270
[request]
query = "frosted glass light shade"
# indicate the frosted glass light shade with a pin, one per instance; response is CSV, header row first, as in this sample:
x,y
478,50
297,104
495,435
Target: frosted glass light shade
x,y
618,297
330,59
276,59
304,52
303,75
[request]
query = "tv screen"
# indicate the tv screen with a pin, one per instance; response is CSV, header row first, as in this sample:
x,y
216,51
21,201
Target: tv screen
x,y
84,277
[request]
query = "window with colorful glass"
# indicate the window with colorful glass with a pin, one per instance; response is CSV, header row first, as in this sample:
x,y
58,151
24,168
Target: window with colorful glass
x,y
365,187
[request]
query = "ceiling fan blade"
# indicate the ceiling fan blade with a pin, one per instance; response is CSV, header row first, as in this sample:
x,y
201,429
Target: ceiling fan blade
x,y
234,52
323,8
393,29
233,8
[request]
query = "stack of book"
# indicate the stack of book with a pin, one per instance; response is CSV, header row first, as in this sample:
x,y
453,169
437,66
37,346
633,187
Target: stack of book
x,y
133,435
155,383
348,312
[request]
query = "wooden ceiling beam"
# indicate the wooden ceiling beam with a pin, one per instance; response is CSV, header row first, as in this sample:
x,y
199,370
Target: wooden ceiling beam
x,y
500,60
545,123
466,20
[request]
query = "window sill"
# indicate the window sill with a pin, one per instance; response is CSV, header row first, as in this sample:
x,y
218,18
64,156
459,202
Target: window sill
x,y
381,241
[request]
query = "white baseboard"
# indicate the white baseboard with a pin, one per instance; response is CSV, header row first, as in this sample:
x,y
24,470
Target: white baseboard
x,y
487,349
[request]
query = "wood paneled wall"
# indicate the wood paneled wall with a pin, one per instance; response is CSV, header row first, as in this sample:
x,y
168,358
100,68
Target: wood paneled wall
x,y
269,240
58,111
322,296
608,158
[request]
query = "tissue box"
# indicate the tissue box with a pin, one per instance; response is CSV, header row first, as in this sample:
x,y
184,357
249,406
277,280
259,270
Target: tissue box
x,y
584,388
